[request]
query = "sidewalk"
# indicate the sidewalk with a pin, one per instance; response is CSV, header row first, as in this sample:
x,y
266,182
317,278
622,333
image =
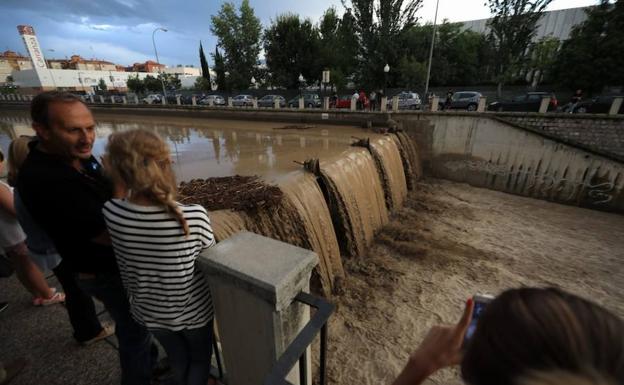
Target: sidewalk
x,y
43,335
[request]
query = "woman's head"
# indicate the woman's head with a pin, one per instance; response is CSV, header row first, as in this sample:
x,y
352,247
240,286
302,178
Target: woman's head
x,y
529,330
140,160
18,151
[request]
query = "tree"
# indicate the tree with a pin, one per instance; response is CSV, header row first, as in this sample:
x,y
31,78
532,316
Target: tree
x,y
202,84
339,48
291,48
542,58
222,83
204,63
172,82
592,58
379,25
512,29
102,85
135,84
412,72
238,34
152,84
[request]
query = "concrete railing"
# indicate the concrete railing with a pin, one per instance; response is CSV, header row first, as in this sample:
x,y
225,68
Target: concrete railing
x,y
254,281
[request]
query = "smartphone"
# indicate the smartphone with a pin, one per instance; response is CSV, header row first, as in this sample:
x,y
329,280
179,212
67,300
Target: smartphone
x,y
480,304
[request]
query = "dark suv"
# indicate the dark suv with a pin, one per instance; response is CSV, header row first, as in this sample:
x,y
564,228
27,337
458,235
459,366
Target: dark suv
x,y
598,105
309,101
530,102
462,100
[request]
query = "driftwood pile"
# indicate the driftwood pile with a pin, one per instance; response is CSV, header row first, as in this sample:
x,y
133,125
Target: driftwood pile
x,y
238,193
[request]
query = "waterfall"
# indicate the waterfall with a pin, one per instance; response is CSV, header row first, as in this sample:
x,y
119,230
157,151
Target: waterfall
x,y
410,158
356,199
390,166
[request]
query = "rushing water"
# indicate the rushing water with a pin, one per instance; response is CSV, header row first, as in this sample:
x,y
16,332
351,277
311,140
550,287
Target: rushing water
x,y
333,213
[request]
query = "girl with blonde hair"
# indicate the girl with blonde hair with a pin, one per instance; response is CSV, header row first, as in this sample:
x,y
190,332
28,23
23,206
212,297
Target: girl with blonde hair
x,y
156,242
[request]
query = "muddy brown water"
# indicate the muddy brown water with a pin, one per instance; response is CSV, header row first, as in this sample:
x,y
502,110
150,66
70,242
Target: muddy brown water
x,y
334,213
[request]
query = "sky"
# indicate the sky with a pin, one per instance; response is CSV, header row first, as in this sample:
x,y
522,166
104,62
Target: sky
x,y
121,30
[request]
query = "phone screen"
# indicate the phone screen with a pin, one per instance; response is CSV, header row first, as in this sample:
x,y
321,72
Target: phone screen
x,y
480,304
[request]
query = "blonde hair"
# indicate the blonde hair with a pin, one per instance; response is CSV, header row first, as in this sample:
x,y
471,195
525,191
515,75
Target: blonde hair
x,y
141,160
18,151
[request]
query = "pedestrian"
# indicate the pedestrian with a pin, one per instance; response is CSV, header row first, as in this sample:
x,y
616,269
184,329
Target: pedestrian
x,y
157,242
576,99
356,97
61,164
80,307
449,99
12,239
373,101
362,99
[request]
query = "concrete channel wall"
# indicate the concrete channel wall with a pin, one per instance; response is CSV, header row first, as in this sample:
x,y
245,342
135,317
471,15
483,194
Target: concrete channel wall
x,y
491,153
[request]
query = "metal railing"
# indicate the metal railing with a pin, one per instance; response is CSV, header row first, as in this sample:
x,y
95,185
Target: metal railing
x,y
297,350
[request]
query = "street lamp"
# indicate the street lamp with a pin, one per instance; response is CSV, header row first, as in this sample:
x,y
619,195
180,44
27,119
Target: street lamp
x,y
253,82
162,81
301,80
386,70
435,26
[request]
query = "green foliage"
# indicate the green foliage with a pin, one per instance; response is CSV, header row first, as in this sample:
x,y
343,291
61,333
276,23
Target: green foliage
x,y
292,47
338,46
239,36
102,85
542,58
172,82
412,72
152,84
512,29
202,84
379,25
592,58
135,84
222,81
204,63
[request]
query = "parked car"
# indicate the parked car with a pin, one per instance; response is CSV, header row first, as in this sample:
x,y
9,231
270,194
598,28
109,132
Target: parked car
x,y
529,102
309,101
408,100
462,100
344,101
269,101
117,99
212,100
242,101
598,105
152,98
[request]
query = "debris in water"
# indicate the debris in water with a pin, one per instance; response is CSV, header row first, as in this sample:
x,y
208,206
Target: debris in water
x,y
238,193
361,142
295,127
311,165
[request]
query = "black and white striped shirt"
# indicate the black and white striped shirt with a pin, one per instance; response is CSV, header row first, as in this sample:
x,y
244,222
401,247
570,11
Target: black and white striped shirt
x,y
157,263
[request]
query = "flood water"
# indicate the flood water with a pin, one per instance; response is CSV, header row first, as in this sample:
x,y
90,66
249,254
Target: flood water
x,y
203,148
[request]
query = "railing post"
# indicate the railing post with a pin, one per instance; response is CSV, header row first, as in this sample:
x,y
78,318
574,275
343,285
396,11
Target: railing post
x,y
194,100
353,104
435,103
254,102
544,104
178,101
395,103
124,99
326,103
254,281
482,104
301,103
616,105
102,99
384,104
276,104
230,104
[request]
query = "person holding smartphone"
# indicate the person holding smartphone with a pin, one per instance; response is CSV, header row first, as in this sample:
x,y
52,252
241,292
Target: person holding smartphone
x,y
526,335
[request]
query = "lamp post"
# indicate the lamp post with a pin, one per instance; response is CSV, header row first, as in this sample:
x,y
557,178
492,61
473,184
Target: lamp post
x,y
435,26
162,81
386,70
301,80
253,82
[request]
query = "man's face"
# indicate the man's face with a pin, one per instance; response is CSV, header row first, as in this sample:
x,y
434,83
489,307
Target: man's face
x,y
71,130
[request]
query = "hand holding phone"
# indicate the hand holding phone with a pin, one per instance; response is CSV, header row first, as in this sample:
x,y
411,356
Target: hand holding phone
x,y
480,304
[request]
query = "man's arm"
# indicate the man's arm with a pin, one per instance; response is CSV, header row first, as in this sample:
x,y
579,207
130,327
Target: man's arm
x,y
6,201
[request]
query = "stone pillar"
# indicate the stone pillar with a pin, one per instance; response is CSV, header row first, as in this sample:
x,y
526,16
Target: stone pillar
x,y
124,99
254,102
482,104
136,99
326,103
435,103
178,101
384,104
253,281
395,104
163,100
544,104
301,103
230,102
194,100
615,107
102,99
276,104
353,104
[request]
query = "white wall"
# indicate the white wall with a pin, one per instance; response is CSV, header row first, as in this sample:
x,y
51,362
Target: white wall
x,y
74,78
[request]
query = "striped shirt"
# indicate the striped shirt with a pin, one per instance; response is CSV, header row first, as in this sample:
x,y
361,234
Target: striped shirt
x,y
157,263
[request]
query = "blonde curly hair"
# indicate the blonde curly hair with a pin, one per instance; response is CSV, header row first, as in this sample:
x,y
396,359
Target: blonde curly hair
x,y
140,159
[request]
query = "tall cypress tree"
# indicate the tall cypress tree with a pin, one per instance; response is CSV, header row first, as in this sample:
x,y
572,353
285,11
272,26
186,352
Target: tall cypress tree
x,y
220,70
204,63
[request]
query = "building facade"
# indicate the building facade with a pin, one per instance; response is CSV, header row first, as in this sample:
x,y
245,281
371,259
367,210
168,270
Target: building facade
x,y
557,24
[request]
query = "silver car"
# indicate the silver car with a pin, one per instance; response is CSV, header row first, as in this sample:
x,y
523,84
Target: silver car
x,y
242,101
269,101
408,100
213,100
